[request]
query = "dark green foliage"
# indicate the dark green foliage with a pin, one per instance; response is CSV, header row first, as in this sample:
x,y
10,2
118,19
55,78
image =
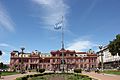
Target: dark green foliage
x,y
1,65
5,66
0,72
30,75
41,70
78,70
24,78
20,78
1,53
114,46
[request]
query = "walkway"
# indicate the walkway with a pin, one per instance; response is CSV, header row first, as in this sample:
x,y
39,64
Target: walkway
x,y
101,76
13,77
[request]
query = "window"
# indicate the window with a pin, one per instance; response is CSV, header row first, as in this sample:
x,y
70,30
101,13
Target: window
x,y
25,60
19,60
53,54
60,54
84,60
48,61
71,54
53,60
81,66
40,61
64,54
81,60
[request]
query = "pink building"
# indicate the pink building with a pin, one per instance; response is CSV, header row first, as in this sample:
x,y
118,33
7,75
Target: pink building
x,y
53,61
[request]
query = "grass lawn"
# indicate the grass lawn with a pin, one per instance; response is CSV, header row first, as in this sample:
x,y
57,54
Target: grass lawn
x,y
60,77
9,73
112,72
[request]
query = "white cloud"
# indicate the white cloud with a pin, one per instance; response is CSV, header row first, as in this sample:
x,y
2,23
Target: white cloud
x,y
53,11
2,45
5,20
81,45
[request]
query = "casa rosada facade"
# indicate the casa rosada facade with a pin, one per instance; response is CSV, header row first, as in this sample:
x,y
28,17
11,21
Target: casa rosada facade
x,y
54,60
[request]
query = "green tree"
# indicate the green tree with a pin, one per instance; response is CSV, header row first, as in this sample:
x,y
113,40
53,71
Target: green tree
x,y
114,46
1,65
0,52
5,66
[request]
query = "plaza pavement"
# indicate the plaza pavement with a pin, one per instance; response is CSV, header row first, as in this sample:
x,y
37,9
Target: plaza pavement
x,y
13,77
102,76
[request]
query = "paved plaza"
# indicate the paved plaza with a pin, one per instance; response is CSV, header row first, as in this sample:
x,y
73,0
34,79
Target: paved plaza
x,y
13,77
101,76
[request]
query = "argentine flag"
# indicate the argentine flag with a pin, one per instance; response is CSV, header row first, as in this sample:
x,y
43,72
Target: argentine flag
x,y
58,25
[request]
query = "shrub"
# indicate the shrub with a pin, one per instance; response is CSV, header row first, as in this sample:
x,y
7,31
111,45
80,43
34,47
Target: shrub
x,y
20,78
24,78
27,76
30,75
41,70
78,70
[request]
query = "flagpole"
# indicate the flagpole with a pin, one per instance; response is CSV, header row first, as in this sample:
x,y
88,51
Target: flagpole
x,y
62,34
57,27
62,45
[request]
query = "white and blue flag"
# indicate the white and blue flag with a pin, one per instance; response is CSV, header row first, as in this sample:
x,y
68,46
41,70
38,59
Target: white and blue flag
x,y
58,25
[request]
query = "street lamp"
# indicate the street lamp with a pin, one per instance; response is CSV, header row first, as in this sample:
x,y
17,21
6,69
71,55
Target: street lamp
x,y
75,61
22,59
43,62
100,47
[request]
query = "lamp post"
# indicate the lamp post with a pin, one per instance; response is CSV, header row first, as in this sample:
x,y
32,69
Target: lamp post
x,y
75,61
43,62
100,47
22,60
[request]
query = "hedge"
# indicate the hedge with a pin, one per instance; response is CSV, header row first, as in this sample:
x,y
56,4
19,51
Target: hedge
x,y
78,70
36,75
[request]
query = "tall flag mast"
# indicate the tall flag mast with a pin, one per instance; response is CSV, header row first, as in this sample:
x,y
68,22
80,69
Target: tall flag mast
x,y
62,34
58,26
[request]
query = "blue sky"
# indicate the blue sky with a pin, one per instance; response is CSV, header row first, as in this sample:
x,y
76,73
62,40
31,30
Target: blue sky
x,y
30,24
